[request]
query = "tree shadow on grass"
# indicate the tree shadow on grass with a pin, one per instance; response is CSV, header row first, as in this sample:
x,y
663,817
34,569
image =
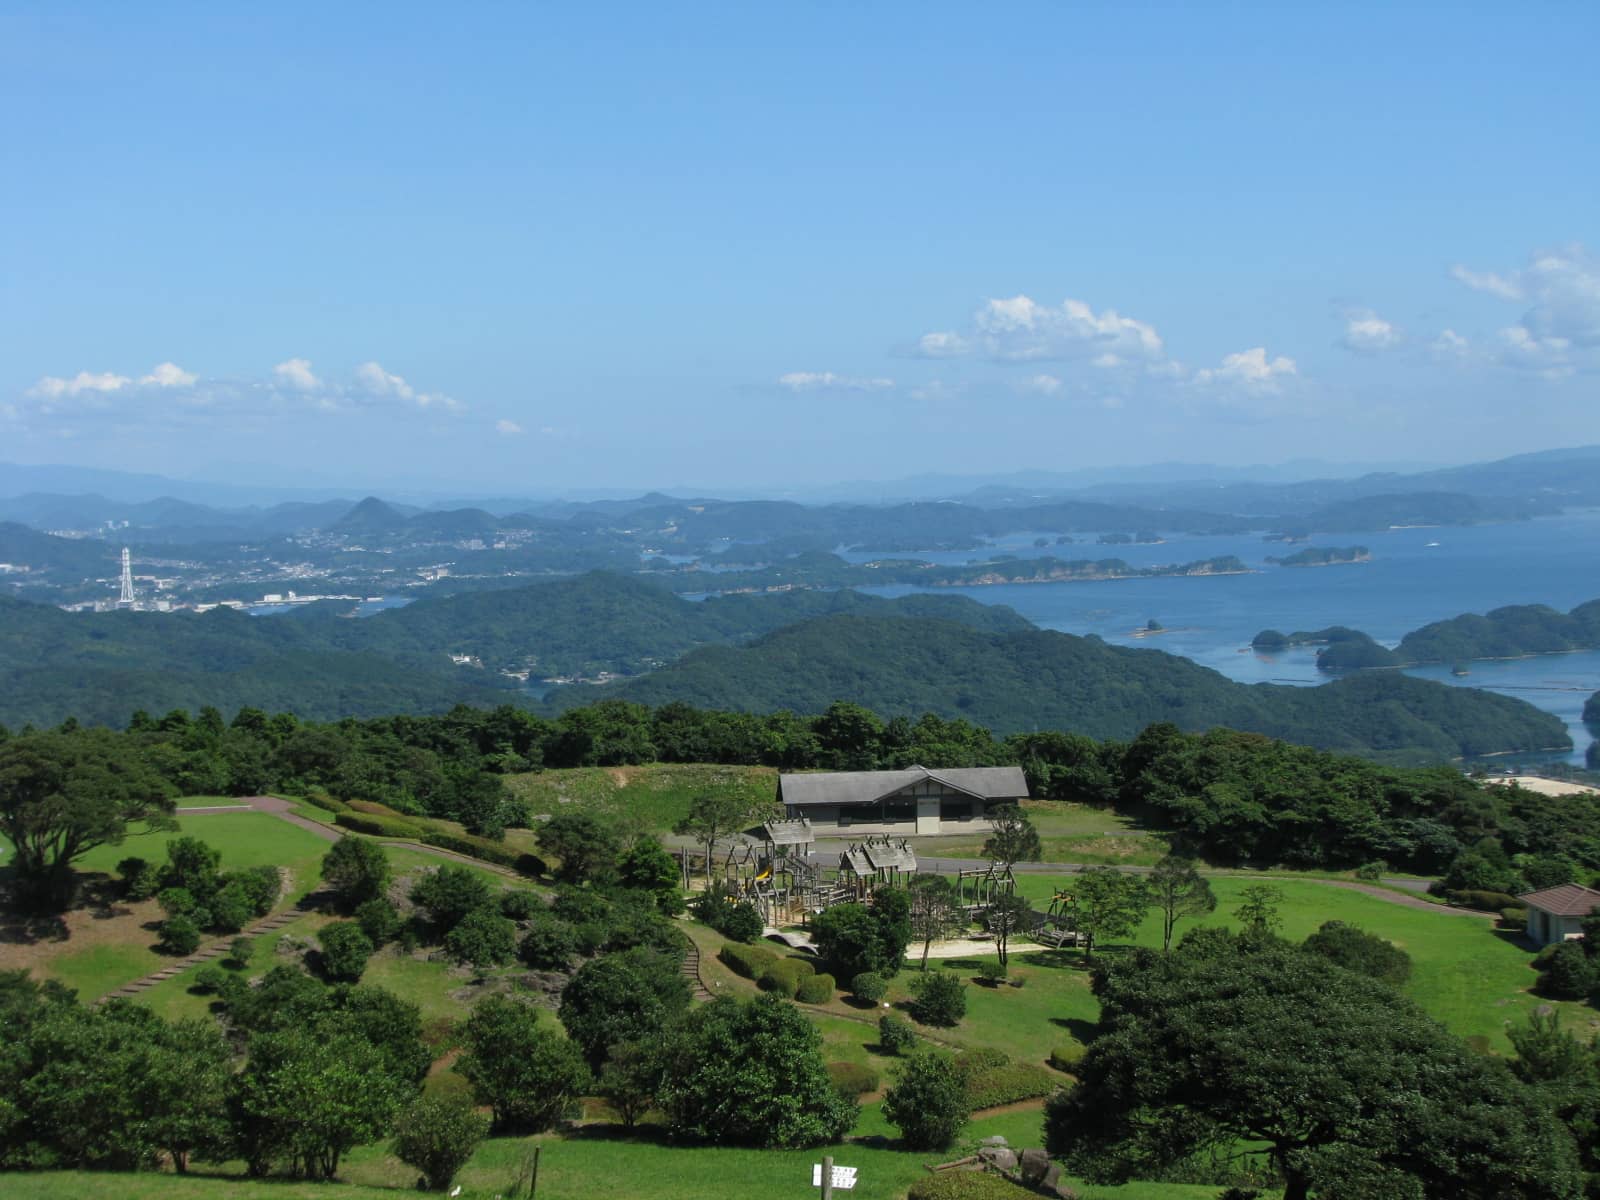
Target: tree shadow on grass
x,y
1083,1031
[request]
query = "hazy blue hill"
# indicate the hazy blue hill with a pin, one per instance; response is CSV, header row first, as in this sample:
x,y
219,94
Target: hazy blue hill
x,y
1039,679
76,557
369,516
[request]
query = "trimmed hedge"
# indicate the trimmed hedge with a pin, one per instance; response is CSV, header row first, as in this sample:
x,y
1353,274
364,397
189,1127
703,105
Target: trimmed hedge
x,y
1066,1058
991,1079
785,976
750,961
815,989
318,798
1514,918
378,826
966,1185
852,1079
1485,901
373,808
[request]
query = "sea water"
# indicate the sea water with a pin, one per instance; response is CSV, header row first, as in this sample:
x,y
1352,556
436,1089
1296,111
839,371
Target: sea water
x,y
1415,576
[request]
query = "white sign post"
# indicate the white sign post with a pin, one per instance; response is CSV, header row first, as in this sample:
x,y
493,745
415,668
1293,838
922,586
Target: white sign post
x,y
827,1177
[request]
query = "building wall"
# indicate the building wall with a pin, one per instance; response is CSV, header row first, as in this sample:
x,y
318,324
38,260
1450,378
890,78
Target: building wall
x,y
925,809
1546,927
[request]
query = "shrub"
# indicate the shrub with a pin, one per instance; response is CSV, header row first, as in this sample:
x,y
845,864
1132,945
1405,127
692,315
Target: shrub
x,y
1513,918
260,887
318,798
520,905
1007,1084
719,907
230,909
1370,871
784,976
965,1185
750,961
927,1103
1356,950
940,999
475,847
379,920
992,974
240,951
437,1136
374,808
356,870
483,938
896,1035
549,945
1485,901
1569,975
138,878
869,987
176,901
389,827
345,951
209,980
815,989
852,1079
180,935
1067,1057
449,894
742,923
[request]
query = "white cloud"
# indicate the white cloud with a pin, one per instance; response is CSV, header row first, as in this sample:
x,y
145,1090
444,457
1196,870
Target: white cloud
x,y
379,382
1365,332
296,372
52,387
813,381
942,345
1251,369
1451,344
1045,385
168,374
507,427
1487,281
1548,357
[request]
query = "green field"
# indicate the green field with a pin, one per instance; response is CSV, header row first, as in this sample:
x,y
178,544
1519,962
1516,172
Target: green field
x,y
1072,833
648,799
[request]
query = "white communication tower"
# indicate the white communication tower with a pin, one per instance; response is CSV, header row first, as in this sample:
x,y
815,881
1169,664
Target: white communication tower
x,y
125,598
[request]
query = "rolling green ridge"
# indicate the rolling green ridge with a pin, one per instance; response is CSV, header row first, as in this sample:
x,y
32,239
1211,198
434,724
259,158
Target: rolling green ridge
x,y
1510,632
1039,679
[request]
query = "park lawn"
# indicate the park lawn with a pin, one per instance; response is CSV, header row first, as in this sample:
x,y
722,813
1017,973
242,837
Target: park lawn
x,y
245,839
1069,832
184,802
172,998
644,799
1471,977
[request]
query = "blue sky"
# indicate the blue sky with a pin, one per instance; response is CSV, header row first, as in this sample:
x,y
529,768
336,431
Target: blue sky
x,y
517,246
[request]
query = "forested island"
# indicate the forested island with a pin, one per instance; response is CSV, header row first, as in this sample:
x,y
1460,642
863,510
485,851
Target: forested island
x,y
1515,631
1323,556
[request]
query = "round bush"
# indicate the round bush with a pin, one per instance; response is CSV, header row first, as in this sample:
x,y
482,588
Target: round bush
x,y
345,951
239,952
180,935
138,878
1067,1057
941,999
483,938
869,987
209,980
815,989
379,920
784,977
549,945
896,1035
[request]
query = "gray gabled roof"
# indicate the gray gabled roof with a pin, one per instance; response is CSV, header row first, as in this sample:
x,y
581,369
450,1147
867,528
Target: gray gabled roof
x,y
1566,900
789,833
869,787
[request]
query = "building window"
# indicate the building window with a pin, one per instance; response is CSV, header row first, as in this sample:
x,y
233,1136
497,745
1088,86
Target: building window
x,y
955,808
900,808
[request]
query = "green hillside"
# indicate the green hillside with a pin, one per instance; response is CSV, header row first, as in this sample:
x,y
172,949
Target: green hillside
x,y
1510,632
1039,679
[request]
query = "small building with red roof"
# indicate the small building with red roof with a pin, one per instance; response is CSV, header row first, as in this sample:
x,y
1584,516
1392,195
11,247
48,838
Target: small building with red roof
x,y
1556,914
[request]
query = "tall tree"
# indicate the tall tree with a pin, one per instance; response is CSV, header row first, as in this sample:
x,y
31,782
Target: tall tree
x,y
1350,1088
1009,914
712,815
1106,903
934,911
1014,839
1179,890
62,795
1259,912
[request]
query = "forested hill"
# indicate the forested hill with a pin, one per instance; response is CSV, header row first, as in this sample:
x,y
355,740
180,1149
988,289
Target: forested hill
x,y
1038,679
1510,632
101,667
320,665
602,621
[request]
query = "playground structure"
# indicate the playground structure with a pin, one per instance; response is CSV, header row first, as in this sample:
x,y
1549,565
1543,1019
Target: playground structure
x,y
1057,928
775,868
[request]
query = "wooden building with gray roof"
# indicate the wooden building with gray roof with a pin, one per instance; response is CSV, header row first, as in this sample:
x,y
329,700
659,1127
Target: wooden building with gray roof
x,y
915,800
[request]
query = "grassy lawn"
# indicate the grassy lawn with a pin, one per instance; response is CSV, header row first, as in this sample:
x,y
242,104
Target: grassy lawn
x,y
1069,833
210,802
647,799
1464,973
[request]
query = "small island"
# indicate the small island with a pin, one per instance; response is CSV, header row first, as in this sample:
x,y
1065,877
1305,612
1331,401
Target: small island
x,y
1323,556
